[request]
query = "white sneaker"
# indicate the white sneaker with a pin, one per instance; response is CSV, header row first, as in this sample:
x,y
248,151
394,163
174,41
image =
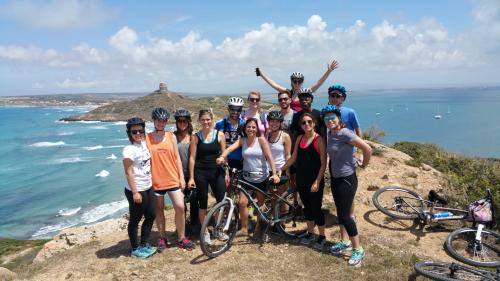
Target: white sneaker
x,y
206,238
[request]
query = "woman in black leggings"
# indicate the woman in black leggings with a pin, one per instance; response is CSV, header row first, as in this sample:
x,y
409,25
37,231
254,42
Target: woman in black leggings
x,y
205,147
344,182
309,157
140,196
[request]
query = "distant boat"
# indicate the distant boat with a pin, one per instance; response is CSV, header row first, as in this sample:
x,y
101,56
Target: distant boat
x,y
448,112
378,113
438,116
392,109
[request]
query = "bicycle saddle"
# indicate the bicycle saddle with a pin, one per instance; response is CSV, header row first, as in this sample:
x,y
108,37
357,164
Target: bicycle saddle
x,y
436,198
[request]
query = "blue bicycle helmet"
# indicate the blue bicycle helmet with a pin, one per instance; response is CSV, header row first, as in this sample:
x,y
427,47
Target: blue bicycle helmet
x,y
160,113
338,88
135,121
329,109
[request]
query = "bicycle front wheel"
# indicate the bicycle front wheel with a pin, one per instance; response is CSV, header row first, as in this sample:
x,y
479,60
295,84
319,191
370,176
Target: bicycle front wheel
x,y
398,202
463,246
218,229
450,271
288,213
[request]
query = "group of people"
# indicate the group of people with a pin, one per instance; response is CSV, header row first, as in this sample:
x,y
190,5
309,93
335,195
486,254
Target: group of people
x,y
296,140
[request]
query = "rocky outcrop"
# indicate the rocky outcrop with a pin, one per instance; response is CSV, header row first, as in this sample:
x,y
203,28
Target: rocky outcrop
x,y
73,237
6,274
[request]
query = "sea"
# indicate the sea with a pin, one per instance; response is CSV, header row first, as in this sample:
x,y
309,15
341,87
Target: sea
x,y
56,174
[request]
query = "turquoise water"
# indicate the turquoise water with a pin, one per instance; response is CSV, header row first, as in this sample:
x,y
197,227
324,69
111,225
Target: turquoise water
x,y
54,174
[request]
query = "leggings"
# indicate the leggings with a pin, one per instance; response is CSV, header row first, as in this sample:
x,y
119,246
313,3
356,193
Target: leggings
x,y
147,209
312,203
193,207
212,177
344,190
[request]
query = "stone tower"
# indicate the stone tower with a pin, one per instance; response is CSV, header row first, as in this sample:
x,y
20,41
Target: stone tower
x,y
163,88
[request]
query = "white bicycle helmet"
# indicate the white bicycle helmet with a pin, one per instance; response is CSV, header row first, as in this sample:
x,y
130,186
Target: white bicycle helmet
x,y
297,76
235,101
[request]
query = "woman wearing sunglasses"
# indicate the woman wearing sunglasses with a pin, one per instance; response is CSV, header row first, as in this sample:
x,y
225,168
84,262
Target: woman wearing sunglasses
x,y
344,182
297,81
254,111
168,178
183,133
309,157
140,197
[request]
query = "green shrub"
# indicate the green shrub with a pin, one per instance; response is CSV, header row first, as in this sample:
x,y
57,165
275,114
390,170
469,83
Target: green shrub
x,y
373,133
467,177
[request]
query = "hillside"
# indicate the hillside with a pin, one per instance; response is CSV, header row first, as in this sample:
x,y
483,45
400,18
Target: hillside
x,y
142,106
100,251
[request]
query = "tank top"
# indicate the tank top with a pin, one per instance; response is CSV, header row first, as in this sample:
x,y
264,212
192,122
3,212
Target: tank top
x,y
207,153
278,151
295,105
308,164
255,161
184,154
164,170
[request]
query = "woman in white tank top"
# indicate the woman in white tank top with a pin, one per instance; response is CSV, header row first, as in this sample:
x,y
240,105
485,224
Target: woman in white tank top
x,y
256,157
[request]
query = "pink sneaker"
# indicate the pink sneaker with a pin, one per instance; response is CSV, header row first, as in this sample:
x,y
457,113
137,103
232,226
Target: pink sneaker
x,y
162,244
185,244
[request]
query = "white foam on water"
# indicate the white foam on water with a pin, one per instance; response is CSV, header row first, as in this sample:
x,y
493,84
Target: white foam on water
x,y
48,144
111,157
103,211
93,147
114,146
61,121
102,174
68,160
66,134
88,122
68,211
98,127
119,123
43,231
125,139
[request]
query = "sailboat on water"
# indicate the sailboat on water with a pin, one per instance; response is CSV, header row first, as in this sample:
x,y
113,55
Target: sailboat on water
x,y
438,116
448,112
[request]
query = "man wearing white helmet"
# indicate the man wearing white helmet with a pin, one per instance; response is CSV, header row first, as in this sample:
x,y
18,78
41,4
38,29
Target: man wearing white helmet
x,y
231,126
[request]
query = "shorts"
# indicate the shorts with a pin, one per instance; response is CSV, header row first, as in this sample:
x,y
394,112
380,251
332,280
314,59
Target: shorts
x,y
164,191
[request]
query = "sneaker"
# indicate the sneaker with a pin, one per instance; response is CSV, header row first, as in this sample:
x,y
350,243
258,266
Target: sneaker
x,y
356,257
149,249
140,253
185,244
320,244
340,247
206,238
303,234
221,236
162,244
307,239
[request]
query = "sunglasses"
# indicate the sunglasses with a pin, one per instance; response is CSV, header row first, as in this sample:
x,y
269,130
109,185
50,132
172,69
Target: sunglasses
x,y
137,132
254,99
297,81
326,118
283,99
335,95
307,122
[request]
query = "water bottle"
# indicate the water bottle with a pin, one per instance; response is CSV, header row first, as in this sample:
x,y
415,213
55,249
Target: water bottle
x,y
442,215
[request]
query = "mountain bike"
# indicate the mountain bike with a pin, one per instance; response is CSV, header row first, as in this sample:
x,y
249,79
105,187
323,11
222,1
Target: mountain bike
x,y
475,246
221,223
454,271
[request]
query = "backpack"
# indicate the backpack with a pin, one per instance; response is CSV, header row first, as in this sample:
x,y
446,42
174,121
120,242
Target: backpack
x,y
480,211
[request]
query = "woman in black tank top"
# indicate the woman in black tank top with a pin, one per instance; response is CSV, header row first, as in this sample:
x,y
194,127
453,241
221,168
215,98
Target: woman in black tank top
x,y
205,147
309,156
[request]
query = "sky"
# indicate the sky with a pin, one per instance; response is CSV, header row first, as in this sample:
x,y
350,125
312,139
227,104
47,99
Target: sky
x,y
94,46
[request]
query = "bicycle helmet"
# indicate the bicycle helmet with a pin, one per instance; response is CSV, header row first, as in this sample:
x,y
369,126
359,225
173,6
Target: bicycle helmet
x,y
337,88
235,101
329,109
305,92
160,113
275,115
135,121
181,112
297,76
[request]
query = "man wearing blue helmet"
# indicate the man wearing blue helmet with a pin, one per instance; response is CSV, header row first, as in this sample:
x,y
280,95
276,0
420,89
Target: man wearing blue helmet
x,y
336,96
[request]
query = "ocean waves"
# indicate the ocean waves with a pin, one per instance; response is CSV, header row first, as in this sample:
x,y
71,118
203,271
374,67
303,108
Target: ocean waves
x,y
48,144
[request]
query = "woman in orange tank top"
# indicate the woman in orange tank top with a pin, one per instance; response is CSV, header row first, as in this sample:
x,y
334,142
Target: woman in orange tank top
x,y
168,177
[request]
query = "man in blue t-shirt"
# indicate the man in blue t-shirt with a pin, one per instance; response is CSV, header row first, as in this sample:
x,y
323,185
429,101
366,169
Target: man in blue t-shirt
x,y
232,127
336,96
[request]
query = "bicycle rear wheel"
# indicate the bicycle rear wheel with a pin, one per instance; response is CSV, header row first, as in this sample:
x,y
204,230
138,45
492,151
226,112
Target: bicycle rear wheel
x,y
288,215
398,202
220,239
450,271
462,245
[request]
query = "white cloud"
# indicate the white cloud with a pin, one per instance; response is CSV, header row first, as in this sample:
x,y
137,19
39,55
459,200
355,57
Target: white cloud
x,y
136,60
57,14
